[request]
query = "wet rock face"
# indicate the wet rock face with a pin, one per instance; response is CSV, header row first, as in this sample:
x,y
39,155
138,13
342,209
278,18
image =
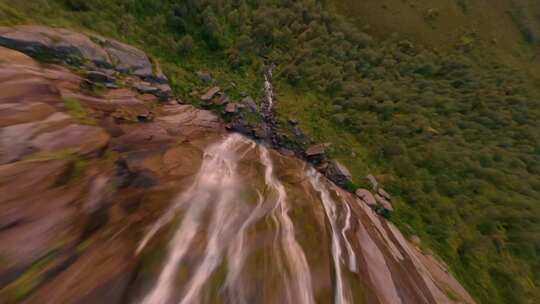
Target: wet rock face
x,y
65,207
84,176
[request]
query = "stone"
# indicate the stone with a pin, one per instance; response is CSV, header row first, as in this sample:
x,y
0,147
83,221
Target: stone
x,y
72,47
366,196
63,44
248,101
231,108
384,194
386,204
210,93
100,77
223,99
127,59
416,240
338,173
145,88
316,150
373,181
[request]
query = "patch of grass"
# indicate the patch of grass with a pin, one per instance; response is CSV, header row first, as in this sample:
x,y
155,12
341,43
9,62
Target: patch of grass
x,y
77,111
23,286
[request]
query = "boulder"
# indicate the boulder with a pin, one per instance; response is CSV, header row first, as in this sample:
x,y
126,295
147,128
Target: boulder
x,y
338,173
127,59
58,43
223,99
384,194
386,204
100,77
210,94
73,47
373,182
145,88
248,101
231,108
316,153
366,196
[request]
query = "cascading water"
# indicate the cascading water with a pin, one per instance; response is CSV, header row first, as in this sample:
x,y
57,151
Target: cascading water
x,y
341,295
243,233
296,260
217,183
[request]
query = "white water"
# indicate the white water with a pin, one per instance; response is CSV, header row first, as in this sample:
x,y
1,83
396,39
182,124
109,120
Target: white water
x,y
329,205
294,255
352,256
216,183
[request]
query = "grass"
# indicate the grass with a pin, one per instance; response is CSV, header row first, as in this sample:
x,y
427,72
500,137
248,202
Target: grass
x,y
77,111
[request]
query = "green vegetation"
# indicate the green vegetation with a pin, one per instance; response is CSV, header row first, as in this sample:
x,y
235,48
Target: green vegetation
x,y
78,112
453,131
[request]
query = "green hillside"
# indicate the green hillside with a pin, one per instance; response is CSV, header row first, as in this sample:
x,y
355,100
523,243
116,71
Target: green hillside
x,y
445,111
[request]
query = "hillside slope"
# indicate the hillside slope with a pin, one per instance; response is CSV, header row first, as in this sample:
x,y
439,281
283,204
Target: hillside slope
x,y
451,132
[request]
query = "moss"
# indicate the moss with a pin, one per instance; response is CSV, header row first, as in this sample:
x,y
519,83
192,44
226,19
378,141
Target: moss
x,y
77,111
23,286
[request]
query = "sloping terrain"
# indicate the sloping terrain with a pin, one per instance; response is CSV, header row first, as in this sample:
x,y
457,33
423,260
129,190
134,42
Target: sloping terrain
x,y
444,114
111,194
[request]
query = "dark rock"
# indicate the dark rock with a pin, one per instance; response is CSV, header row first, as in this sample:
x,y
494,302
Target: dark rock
x,y
293,121
164,92
248,101
99,77
366,196
338,173
145,88
144,179
210,94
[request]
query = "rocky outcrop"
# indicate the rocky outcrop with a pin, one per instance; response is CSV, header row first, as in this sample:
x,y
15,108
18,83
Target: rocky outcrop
x,y
100,56
84,173
74,165
338,173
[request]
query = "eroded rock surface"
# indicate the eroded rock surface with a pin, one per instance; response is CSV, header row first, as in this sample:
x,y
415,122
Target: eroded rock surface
x,y
85,174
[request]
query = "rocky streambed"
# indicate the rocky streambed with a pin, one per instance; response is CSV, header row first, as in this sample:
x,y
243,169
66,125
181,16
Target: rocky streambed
x,y
111,191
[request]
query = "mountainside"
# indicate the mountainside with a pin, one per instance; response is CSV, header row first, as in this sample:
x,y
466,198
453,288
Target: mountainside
x,y
437,99
112,194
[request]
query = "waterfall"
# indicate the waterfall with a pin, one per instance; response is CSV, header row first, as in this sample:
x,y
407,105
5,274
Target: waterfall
x,y
330,208
216,183
294,255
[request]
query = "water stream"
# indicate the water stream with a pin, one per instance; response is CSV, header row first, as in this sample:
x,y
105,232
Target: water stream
x,y
243,232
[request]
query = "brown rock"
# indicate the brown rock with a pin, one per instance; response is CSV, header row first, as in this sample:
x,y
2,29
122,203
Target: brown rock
x,y
386,204
384,194
86,139
231,108
210,94
316,150
366,196
18,113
